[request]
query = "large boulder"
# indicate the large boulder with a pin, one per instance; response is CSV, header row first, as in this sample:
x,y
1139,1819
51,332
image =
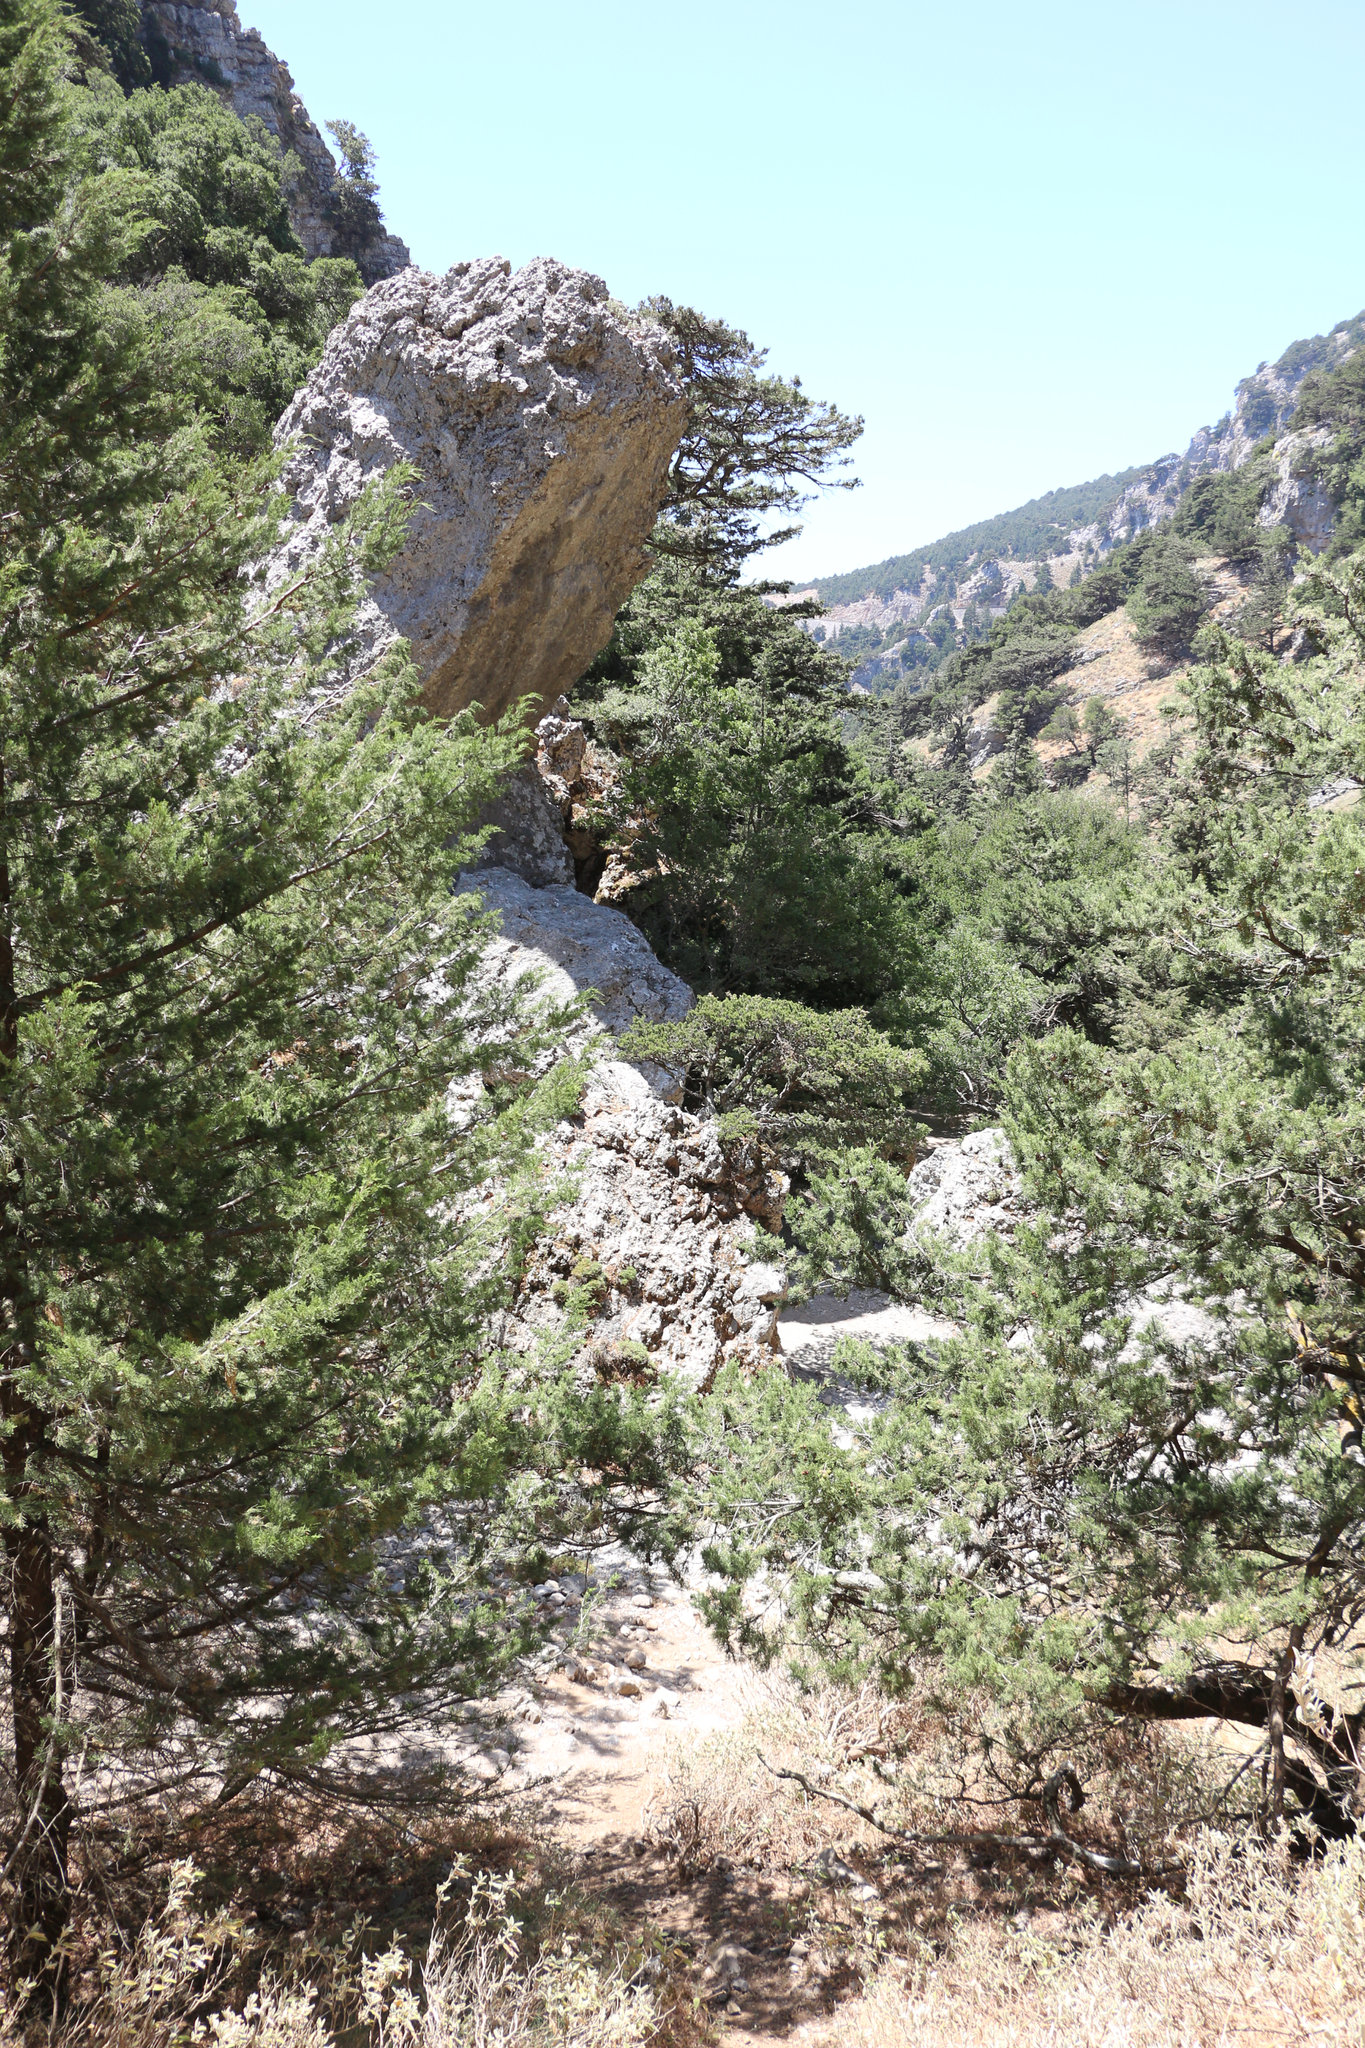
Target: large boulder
x,y
541,417
571,945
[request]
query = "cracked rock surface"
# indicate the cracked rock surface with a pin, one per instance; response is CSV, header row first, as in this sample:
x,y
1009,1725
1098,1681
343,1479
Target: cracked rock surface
x,y
575,944
659,1224
659,1231
541,417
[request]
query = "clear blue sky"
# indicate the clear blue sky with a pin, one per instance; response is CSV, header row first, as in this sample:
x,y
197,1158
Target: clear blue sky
x,y
1028,244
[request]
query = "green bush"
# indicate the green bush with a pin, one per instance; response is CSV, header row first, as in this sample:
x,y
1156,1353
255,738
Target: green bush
x,y
741,801
797,1081
234,313
1170,601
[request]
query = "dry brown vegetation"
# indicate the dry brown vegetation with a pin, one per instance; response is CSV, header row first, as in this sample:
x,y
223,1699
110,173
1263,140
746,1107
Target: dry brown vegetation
x,y
361,1931
752,1910
916,1948
1258,1952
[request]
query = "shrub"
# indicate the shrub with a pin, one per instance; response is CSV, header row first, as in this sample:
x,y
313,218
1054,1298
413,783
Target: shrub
x,y
796,1080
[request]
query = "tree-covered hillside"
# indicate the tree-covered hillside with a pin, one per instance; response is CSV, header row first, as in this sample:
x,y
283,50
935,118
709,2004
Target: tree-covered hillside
x,y
1038,528
1129,1491
900,618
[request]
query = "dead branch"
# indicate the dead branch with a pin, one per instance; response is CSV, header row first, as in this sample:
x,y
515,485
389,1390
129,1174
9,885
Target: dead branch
x,y
1056,1841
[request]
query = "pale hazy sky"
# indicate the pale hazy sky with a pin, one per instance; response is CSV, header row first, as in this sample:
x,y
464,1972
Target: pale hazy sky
x,y
1029,244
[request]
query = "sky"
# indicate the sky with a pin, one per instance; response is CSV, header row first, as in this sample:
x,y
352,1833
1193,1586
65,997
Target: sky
x,y
1028,245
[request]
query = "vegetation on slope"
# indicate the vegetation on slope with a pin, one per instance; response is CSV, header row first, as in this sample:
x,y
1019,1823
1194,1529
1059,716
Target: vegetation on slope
x,y
1038,528
1132,1488
1033,531
248,1326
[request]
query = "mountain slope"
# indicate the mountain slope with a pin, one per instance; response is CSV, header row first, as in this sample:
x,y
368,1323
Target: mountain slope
x,y
1029,530
900,617
173,42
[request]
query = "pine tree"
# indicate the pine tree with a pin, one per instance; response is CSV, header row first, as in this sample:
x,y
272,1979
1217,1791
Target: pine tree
x,y
754,445
1133,1490
242,1303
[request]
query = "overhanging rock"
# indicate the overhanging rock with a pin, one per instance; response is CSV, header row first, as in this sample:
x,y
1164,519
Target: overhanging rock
x,y
541,417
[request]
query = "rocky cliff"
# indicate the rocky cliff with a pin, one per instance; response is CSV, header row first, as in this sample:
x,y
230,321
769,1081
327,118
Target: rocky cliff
x,y
542,418
659,1221
207,45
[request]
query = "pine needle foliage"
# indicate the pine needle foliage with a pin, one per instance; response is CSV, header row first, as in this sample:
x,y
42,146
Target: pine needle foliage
x,y
258,1466
1134,1487
755,446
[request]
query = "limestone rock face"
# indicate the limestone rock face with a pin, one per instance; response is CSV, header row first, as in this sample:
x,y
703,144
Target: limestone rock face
x,y
541,418
1300,503
576,944
207,45
966,1186
664,1219
657,1209
528,835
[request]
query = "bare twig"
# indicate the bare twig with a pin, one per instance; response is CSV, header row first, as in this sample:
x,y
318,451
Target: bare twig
x,y
1056,1841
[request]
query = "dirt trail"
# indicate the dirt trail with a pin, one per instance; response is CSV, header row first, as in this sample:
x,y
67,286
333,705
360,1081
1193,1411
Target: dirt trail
x,y
635,1676
591,1748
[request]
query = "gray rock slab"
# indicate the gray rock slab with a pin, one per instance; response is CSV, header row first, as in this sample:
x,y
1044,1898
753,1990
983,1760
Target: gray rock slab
x,y
575,944
528,833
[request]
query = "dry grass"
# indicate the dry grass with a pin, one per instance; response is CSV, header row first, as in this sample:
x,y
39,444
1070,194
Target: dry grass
x,y
505,1967
1256,1954
920,1769
715,1798
955,1949
474,1936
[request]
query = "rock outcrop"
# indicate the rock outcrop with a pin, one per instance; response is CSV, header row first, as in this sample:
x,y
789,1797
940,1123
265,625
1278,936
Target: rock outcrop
x,y
574,944
658,1232
207,45
541,417
528,832
547,821
964,1187
659,1223
1301,503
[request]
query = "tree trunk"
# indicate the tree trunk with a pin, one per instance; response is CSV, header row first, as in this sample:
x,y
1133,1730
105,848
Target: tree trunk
x,y
1256,1698
36,1864
1275,1737
38,1858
